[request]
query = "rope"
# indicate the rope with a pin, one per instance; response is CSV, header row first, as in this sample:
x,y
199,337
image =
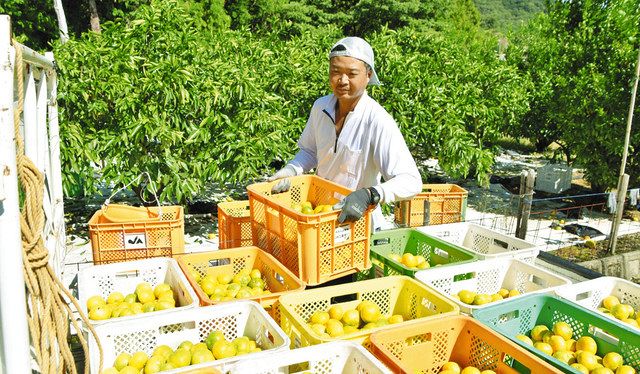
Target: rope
x,y
48,314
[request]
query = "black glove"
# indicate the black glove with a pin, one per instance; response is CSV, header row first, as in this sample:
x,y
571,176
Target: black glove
x,y
354,205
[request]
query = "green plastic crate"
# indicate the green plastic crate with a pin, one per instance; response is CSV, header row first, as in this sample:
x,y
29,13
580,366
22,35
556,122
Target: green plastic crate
x,y
520,315
436,251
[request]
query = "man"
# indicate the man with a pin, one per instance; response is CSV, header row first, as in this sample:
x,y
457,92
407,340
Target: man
x,y
351,140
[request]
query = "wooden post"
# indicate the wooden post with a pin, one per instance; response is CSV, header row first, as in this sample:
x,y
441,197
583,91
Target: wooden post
x,y
527,178
622,193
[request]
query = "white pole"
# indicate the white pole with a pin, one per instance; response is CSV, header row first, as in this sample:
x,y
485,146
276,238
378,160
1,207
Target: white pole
x,y
14,335
62,21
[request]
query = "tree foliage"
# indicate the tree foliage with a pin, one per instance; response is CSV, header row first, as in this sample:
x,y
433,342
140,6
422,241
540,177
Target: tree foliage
x,y
581,57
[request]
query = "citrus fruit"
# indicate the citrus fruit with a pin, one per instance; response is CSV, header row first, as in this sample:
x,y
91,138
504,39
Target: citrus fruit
x,y
481,299
587,359
536,332
242,344
336,312
452,366
95,301
601,370
570,345
420,260
318,328
201,355
122,360
110,370
524,338
115,298
581,368
625,369
396,318
424,265
487,372
198,346
100,313
129,370
504,292
160,288
153,365
306,210
557,343
609,301
224,278
180,358
565,356
213,337
130,298
470,370
586,343
513,293
620,311
544,347
563,329
370,313
167,366
467,296
163,350
409,260
320,317
138,360
612,360
186,344
546,336
223,349
145,295
334,328
351,317
496,297
143,286
395,257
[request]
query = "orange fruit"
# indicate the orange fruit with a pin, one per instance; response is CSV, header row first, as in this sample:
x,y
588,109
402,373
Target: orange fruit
x,y
180,358
95,301
481,299
100,313
524,338
115,298
557,343
396,318
537,331
319,317
570,345
409,260
138,360
565,356
601,370
563,329
467,296
201,355
223,349
612,360
587,359
163,350
580,368
336,312
370,313
513,293
334,328
451,366
609,301
544,347
351,317
110,370
470,370
625,369
586,343
129,370
121,361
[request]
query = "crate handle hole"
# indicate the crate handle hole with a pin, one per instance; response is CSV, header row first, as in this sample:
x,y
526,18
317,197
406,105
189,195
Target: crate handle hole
x,y
344,298
279,278
539,281
601,334
583,295
464,276
382,241
501,243
418,339
269,336
219,262
441,252
514,314
128,274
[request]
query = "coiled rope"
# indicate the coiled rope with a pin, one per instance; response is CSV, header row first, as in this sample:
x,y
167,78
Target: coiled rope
x,y
48,314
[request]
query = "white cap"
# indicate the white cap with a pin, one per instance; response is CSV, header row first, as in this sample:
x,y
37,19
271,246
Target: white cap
x,y
355,47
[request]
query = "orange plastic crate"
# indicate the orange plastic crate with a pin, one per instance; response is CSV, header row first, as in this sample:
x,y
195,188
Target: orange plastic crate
x,y
313,246
424,346
436,204
279,280
161,236
234,224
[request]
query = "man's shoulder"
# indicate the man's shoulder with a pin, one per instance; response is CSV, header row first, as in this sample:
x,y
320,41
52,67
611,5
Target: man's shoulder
x,y
322,102
378,115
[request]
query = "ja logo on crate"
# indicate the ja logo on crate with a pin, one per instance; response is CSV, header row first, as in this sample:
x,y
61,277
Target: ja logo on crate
x,y
135,241
342,234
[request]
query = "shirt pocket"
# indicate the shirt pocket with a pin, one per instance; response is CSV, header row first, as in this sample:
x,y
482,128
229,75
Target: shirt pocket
x,y
350,161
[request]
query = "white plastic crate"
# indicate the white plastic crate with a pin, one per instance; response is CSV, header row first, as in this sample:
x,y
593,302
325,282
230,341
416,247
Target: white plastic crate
x,y
484,242
488,277
553,178
590,293
328,358
125,276
240,318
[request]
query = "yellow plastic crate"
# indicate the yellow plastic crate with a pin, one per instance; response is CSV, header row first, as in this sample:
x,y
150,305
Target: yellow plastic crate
x,y
394,295
279,280
313,246
234,224
435,205
160,234
424,346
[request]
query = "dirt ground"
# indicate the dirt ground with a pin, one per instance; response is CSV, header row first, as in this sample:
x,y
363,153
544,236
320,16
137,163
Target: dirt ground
x,y
580,253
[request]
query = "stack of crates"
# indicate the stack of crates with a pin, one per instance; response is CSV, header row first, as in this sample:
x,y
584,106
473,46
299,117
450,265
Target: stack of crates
x,y
234,224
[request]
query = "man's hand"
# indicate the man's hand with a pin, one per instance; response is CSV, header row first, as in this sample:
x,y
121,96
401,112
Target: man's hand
x,y
284,184
353,206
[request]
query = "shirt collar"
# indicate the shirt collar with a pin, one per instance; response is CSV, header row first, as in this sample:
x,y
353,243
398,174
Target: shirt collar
x,y
330,107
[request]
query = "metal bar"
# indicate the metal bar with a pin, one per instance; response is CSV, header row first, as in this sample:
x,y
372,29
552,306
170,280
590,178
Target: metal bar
x,y
14,331
34,58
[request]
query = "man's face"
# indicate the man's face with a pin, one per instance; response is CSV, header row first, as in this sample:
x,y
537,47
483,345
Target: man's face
x,y
348,77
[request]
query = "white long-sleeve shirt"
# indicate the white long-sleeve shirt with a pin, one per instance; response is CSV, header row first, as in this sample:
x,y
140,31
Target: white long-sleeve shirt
x,y
369,147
